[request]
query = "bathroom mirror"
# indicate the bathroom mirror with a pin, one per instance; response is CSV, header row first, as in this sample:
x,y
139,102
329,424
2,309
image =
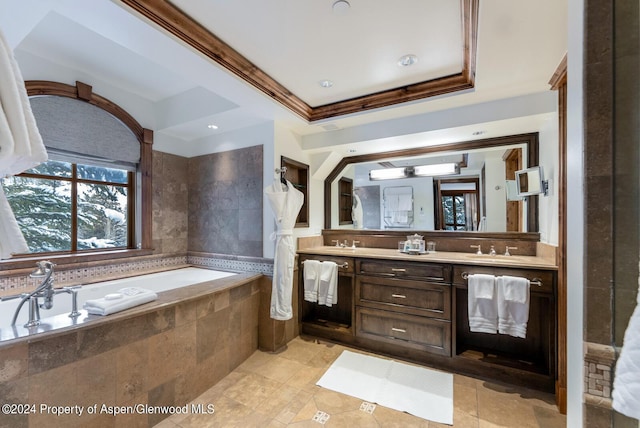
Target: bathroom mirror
x,y
484,160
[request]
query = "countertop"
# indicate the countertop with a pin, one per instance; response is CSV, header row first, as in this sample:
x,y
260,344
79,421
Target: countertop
x,y
533,262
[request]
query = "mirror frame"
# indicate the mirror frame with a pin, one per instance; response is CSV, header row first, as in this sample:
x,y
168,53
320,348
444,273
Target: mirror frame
x,y
532,148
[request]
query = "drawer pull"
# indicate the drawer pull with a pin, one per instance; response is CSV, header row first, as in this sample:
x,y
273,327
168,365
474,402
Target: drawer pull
x,y
398,270
399,296
399,330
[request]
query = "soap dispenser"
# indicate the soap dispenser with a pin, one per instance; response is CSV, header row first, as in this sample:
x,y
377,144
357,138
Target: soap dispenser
x,y
492,251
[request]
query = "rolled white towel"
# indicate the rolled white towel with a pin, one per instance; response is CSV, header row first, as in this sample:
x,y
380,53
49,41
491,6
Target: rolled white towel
x,y
125,298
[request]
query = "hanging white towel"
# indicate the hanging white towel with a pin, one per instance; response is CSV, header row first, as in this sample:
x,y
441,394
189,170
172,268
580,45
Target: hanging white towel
x,y
328,287
513,305
11,239
311,278
357,213
125,298
626,382
482,303
21,145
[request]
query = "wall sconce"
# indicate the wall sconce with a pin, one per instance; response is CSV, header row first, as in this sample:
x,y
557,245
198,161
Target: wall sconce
x,y
414,171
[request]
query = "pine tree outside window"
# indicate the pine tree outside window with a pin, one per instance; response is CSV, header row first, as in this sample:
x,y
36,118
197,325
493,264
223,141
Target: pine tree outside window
x,y
63,206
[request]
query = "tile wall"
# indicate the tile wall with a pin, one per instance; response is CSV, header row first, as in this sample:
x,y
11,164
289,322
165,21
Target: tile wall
x,y
612,201
225,202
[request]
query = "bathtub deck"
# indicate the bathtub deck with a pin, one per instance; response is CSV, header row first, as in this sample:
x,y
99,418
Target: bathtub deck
x,y
62,323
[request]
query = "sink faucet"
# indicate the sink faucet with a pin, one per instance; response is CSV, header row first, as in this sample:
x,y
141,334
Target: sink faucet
x,y
353,245
506,251
479,247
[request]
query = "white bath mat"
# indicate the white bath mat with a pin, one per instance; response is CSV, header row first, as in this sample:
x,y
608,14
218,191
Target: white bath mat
x,y
421,392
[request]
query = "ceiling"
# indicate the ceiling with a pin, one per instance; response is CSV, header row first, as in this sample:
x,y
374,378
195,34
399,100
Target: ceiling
x,y
177,89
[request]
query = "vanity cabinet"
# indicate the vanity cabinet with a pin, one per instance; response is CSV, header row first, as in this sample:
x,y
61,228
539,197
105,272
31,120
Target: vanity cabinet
x,y
336,321
533,358
413,313
417,311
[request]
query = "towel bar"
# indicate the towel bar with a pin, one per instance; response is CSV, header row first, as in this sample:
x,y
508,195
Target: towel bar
x,y
534,281
344,265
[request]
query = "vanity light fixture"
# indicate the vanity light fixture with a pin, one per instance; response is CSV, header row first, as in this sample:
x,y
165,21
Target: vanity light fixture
x,y
436,169
387,173
414,171
407,60
212,126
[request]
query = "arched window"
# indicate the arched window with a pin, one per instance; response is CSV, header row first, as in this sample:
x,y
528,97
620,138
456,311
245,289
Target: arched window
x,y
95,190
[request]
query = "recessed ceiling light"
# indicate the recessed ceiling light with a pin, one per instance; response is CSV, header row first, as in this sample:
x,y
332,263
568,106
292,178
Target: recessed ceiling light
x,y
325,83
341,7
407,60
212,126
352,150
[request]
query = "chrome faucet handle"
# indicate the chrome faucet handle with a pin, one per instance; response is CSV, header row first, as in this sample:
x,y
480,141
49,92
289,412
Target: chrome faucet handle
x,y
479,247
354,244
336,241
73,290
506,251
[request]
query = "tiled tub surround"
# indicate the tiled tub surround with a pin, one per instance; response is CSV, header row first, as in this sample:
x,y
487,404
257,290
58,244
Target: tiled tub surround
x,y
62,304
163,353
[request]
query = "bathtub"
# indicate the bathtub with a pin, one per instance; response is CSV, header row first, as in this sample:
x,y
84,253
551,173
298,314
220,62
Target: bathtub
x,y
158,282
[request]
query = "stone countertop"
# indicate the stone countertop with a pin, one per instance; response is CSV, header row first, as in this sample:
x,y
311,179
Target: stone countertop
x,y
532,262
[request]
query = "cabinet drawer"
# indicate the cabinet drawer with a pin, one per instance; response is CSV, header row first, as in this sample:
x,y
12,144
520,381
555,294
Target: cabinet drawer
x,y
412,297
345,264
397,269
409,331
546,277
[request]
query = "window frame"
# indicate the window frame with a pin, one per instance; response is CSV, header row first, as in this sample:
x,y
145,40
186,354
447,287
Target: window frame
x,y
75,180
83,92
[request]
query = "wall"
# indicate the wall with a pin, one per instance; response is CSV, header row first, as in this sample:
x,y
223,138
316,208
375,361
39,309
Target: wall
x,y
495,192
225,202
612,200
170,202
286,143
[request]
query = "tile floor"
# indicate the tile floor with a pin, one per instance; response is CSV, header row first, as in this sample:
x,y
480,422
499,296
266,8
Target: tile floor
x,y
278,390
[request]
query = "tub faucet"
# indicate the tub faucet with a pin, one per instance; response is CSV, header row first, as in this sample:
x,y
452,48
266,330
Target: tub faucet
x,y
44,290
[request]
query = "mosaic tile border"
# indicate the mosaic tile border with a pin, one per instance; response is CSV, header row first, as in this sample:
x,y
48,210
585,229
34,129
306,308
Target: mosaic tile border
x,y
104,271
15,284
599,361
264,267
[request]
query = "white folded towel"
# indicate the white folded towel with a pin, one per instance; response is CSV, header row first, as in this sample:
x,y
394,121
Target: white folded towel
x,y
626,383
328,288
482,304
311,279
125,298
513,305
